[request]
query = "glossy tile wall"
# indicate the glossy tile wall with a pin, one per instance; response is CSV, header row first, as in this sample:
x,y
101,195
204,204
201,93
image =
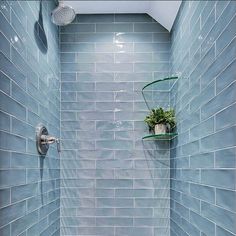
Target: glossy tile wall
x,y
203,157
29,94
112,183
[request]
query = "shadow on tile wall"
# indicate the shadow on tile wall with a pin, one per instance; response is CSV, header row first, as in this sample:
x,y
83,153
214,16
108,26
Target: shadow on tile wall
x,y
39,32
29,94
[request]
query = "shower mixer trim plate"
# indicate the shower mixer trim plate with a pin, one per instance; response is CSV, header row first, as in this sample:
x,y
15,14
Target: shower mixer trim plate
x,y
43,139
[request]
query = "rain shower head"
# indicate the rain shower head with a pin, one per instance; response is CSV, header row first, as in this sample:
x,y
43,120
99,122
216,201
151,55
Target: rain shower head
x,y
63,15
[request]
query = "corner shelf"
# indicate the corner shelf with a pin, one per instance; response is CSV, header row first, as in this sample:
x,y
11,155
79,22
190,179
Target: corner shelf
x,y
154,82
153,137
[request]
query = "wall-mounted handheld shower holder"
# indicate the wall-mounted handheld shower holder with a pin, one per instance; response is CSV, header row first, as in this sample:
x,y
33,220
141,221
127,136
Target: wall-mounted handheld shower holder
x,y
43,140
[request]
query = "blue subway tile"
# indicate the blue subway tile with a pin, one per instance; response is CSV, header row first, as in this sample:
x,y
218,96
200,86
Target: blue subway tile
x,y
12,72
225,77
202,223
24,191
12,142
222,232
220,216
202,192
5,45
215,140
133,37
115,202
77,67
226,36
225,119
115,27
226,199
19,225
148,27
132,18
224,177
114,221
114,67
152,47
215,68
73,28
94,18
68,57
87,37
12,212
78,47
225,158
205,160
94,57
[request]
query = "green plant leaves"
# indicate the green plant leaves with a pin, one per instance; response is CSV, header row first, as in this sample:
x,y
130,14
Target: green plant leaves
x,y
160,116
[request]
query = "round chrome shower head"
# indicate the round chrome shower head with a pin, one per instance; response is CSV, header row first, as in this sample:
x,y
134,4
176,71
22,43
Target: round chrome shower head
x,y
63,15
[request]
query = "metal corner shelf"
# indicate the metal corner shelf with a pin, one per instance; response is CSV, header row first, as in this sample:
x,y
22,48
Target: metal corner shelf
x,y
153,137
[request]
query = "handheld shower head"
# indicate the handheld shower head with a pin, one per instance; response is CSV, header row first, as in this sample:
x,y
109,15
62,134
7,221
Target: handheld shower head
x,y
63,15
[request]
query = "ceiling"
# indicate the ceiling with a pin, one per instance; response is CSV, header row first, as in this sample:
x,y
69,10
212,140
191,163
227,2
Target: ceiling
x,y
163,12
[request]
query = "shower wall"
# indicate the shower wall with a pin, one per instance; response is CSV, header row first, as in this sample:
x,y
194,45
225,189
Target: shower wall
x,y
29,94
112,183
203,157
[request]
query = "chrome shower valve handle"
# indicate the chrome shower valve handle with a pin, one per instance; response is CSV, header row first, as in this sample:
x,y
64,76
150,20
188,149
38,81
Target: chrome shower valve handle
x,y
43,140
48,139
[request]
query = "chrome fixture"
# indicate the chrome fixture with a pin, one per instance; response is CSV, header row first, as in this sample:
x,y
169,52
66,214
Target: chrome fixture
x,y
63,14
43,139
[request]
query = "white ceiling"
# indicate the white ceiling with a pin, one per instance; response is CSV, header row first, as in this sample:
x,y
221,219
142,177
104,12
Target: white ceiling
x,y
163,12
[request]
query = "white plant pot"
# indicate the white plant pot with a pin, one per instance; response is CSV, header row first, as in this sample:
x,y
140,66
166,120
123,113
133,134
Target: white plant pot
x,y
160,129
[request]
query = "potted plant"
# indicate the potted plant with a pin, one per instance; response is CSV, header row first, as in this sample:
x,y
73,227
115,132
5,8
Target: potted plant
x,y
160,121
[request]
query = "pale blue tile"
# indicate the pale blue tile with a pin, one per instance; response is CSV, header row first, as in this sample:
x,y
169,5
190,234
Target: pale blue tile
x,y
151,47
132,18
226,77
205,193
87,37
12,212
73,28
12,72
94,57
68,57
224,177
80,47
202,223
133,37
225,119
222,217
115,144
19,225
148,27
226,36
222,232
5,45
226,199
77,67
94,18
116,27
114,67
225,158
